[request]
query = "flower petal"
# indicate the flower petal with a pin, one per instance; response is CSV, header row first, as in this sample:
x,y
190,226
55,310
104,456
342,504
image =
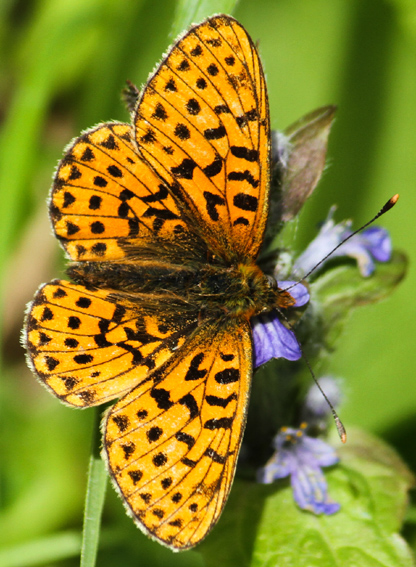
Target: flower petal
x,y
271,339
378,243
320,452
302,457
310,490
373,242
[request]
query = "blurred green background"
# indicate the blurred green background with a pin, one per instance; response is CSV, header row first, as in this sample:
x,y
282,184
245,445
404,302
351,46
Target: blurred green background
x,y
63,65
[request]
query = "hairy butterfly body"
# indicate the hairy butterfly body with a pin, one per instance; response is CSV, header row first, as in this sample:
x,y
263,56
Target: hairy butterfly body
x,y
163,221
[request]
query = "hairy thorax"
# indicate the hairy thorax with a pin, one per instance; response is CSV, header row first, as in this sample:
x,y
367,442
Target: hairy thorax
x,y
242,290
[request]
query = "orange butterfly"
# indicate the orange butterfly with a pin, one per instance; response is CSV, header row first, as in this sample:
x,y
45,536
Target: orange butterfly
x,y
163,221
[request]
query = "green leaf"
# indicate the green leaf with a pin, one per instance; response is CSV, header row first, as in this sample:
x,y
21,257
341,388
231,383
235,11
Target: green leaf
x,y
296,174
94,499
308,138
262,526
338,291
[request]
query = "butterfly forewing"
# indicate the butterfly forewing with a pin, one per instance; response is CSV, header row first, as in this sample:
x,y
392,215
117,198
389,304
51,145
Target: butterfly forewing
x,y
107,200
89,349
172,443
202,122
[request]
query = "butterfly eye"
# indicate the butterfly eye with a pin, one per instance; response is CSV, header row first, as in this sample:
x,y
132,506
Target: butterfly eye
x,y
272,282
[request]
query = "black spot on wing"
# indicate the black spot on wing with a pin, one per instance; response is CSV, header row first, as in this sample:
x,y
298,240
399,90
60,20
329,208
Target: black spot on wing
x,y
83,358
196,51
201,83
154,433
135,476
159,112
243,176
162,398
250,116
227,376
212,201
220,402
212,70
171,86
128,449
122,422
189,401
246,202
193,107
221,109
219,423
95,202
99,181
159,459
185,170
241,220
69,199
194,373
189,463
99,248
110,143
183,65
216,457
215,133
158,196
244,153
51,362
75,173
88,154
185,438
213,168
182,132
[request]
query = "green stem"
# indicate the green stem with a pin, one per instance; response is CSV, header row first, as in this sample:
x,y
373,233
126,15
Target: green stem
x,y
94,500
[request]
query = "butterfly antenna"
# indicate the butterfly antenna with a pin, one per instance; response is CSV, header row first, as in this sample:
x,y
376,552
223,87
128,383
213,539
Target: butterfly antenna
x,y
338,423
389,205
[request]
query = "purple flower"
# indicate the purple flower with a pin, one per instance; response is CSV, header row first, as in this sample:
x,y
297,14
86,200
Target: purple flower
x,y
302,457
271,338
372,244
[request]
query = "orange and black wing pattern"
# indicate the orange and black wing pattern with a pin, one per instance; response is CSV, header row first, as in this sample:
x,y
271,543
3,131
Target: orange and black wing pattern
x,y
173,442
185,185
88,348
202,122
107,200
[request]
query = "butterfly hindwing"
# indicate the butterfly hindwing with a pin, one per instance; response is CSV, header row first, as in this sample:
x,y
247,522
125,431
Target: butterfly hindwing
x,y
172,443
89,349
202,122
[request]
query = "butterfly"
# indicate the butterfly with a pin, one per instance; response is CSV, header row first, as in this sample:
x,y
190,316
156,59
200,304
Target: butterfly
x,y
163,221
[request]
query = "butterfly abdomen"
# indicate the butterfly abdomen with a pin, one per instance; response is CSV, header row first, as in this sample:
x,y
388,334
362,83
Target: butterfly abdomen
x,y
147,277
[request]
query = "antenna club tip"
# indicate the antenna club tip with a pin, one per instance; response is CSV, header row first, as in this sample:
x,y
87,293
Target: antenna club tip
x,y
390,203
341,429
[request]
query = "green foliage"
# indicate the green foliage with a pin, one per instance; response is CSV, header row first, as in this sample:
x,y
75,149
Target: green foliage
x,y
64,63
371,483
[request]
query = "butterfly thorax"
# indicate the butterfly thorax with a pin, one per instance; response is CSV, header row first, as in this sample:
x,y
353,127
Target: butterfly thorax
x,y
240,290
